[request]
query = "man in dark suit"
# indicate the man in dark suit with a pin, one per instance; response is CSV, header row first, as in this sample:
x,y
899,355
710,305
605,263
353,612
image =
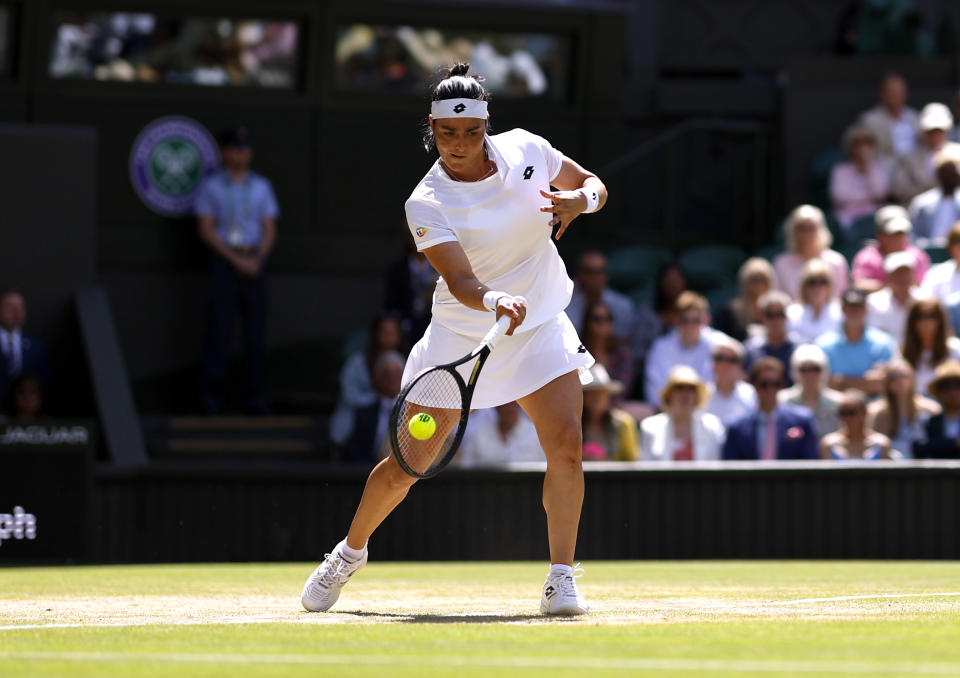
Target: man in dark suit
x,y
943,430
19,353
774,430
370,440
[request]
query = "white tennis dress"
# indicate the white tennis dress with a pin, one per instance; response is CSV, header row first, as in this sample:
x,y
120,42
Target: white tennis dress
x,y
506,238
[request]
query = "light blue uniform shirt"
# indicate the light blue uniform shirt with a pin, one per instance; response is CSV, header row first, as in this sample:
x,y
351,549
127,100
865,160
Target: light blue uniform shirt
x,y
238,208
855,360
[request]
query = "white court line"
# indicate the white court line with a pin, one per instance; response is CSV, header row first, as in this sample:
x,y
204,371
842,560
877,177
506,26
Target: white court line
x,y
590,663
870,597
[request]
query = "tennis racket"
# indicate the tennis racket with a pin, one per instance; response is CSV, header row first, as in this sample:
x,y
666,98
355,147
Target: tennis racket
x,y
441,393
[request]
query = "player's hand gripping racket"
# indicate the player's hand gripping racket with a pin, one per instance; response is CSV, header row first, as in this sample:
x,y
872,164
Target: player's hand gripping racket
x,y
430,415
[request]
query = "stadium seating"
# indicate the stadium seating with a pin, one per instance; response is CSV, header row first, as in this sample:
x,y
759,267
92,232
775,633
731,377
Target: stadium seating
x,y
636,265
711,266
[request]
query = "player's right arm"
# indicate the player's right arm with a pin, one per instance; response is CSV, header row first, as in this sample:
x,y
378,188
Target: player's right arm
x,y
450,261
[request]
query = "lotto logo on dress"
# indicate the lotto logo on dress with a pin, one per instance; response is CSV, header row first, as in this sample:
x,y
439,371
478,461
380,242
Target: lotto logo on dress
x,y
169,159
17,525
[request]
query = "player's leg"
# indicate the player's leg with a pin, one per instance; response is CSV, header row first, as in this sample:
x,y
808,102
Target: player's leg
x,y
556,410
386,487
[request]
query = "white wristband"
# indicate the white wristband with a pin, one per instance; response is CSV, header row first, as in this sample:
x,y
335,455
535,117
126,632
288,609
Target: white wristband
x,y
491,298
593,200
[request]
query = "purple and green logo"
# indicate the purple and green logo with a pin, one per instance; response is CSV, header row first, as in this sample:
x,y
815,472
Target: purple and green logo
x,y
169,159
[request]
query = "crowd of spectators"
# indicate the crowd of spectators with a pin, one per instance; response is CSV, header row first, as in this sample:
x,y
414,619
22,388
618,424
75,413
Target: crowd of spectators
x,y
823,353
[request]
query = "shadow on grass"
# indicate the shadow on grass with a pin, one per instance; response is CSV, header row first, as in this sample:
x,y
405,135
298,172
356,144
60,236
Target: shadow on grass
x,y
452,618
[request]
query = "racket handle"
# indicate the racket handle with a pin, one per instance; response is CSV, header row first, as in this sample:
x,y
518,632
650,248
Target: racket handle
x,y
499,329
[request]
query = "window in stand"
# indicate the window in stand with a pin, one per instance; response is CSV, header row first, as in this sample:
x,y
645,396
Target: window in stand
x,y
375,58
152,48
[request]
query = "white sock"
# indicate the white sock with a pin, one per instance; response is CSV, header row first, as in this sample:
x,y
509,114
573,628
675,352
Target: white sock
x,y
560,569
351,554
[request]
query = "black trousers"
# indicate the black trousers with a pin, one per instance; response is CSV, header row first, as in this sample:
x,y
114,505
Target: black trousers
x,y
228,294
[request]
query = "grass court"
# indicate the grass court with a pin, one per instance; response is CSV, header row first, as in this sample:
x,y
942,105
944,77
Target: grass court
x,y
796,618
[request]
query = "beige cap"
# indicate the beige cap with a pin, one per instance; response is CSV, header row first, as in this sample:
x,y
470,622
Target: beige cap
x,y
935,116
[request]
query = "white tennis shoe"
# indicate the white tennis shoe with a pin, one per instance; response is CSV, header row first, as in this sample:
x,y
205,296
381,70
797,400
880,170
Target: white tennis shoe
x,y
560,594
323,586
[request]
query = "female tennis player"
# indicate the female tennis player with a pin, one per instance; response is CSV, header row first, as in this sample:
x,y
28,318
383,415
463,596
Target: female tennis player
x,y
483,216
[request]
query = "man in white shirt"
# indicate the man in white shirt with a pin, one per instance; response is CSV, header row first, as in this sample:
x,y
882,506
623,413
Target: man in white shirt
x,y
887,308
729,397
934,212
509,436
591,287
893,122
943,280
690,343
914,172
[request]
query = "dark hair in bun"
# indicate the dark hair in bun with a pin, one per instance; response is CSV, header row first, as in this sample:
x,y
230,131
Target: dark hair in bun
x,y
455,84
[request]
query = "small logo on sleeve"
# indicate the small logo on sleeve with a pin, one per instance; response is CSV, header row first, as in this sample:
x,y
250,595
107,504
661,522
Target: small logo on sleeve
x,y
421,231
527,173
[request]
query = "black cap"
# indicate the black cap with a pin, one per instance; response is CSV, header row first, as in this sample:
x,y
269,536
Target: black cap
x,y
237,137
854,297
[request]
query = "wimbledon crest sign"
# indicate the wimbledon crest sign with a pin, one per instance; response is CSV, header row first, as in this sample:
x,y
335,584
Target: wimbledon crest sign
x,y
169,159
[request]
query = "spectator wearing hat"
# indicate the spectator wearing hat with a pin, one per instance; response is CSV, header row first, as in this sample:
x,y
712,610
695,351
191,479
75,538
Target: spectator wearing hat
x,y
861,185
943,280
775,342
854,439
818,309
682,432
775,430
236,211
893,235
914,172
943,430
894,124
811,372
608,432
729,397
928,341
807,238
935,211
887,307
855,351
902,413
690,343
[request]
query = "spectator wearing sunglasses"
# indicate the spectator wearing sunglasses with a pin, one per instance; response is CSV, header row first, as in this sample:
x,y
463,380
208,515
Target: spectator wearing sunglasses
x,y
775,342
856,351
683,431
943,430
810,371
591,288
902,414
893,235
818,310
607,348
690,343
775,430
928,341
729,397
854,439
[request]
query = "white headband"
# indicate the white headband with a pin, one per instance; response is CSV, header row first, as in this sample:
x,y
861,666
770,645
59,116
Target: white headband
x,y
459,108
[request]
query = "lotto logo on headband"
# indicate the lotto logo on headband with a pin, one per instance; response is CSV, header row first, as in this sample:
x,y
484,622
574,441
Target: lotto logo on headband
x,y
459,108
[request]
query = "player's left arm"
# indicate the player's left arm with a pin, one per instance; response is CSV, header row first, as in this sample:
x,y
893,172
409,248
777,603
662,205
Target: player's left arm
x,y
569,202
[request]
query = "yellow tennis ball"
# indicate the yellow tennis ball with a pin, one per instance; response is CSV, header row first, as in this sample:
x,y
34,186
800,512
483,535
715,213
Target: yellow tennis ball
x,y
422,426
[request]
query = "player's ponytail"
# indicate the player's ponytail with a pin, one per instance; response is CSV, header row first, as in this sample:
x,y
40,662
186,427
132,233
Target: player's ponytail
x,y
455,84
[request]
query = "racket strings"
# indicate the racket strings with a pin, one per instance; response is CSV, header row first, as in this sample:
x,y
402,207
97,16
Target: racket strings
x,y
438,394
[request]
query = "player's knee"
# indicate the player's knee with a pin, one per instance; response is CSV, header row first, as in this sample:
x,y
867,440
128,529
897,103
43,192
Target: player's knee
x,y
566,444
397,478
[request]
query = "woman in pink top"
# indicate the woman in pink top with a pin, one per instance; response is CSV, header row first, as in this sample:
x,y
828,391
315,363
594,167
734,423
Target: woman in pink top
x,y
860,186
808,238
